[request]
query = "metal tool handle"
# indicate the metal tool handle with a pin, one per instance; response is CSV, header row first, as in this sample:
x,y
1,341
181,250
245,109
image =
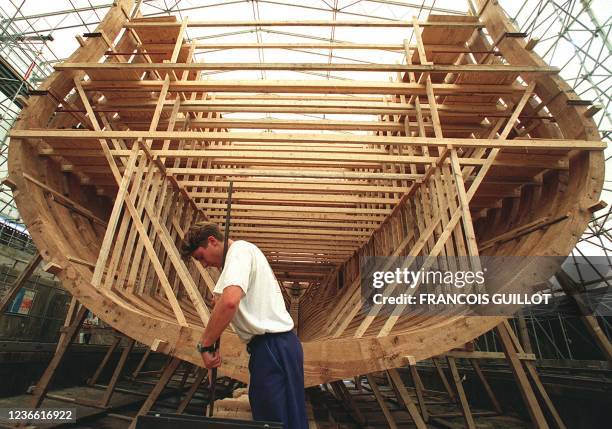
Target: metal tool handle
x,y
213,378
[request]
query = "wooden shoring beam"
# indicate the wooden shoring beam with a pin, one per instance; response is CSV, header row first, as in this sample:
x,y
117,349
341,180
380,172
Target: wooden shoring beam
x,y
200,374
443,379
20,281
533,407
164,378
463,402
346,398
405,398
110,389
305,23
381,402
383,68
109,352
141,364
572,289
66,338
530,366
487,387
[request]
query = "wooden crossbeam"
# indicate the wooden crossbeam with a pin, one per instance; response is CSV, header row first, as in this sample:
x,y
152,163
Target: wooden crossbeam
x,y
340,67
301,86
312,23
314,138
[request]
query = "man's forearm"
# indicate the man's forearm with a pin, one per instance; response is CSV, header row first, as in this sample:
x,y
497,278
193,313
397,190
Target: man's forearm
x,y
219,319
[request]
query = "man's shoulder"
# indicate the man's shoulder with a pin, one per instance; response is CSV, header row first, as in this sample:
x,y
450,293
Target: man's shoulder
x,y
242,246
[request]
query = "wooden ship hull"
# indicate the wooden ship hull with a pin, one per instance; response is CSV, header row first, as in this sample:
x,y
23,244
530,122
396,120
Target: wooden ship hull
x,y
477,147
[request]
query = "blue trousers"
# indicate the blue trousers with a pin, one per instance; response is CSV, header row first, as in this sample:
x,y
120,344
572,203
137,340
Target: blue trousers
x,y
276,389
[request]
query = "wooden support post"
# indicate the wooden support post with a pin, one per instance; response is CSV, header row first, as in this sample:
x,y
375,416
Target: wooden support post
x,y
140,365
496,406
447,386
381,402
188,368
419,388
463,402
405,399
111,349
200,374
535,412
66,338
524,333
533,373
21,280
344,395
157,390
572,290
118,370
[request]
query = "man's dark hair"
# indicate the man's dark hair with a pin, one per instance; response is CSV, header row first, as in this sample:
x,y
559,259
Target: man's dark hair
x,y
198,236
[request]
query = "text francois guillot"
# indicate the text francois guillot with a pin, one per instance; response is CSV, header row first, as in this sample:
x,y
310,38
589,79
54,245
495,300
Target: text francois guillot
x,y
458,279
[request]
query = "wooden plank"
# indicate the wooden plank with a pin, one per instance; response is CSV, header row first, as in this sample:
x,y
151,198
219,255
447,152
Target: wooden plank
x,y
66,338
140,365
405,398
109,352
535,412
381,402
342,67
419,389
443,379
201,373
305,23
548,144
463,403
304,86
489,391
110,389
164,378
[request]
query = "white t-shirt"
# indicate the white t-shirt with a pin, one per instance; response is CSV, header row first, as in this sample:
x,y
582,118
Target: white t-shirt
x,y
262,308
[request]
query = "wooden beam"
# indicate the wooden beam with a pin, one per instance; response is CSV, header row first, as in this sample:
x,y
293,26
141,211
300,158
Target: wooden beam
x,y
542,144
463,403
340,67
110,389
164,378
109,352
405,398
535,412
304,23
381,402
303,86
64,342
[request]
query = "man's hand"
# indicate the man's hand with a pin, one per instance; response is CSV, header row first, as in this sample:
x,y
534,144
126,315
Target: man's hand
x,y
212,360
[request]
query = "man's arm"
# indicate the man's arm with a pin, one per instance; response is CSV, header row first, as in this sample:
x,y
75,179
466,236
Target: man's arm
x,y
222,314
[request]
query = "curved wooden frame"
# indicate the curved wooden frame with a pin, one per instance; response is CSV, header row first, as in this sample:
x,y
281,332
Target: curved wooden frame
x,y
68,231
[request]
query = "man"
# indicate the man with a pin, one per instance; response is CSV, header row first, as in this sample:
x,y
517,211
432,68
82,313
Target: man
x,y
248,295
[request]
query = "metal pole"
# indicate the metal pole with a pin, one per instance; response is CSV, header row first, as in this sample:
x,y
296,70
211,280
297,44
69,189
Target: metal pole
x,y
213,378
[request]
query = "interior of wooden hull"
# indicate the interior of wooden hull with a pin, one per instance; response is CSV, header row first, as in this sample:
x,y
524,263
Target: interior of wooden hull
x,y
477,147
